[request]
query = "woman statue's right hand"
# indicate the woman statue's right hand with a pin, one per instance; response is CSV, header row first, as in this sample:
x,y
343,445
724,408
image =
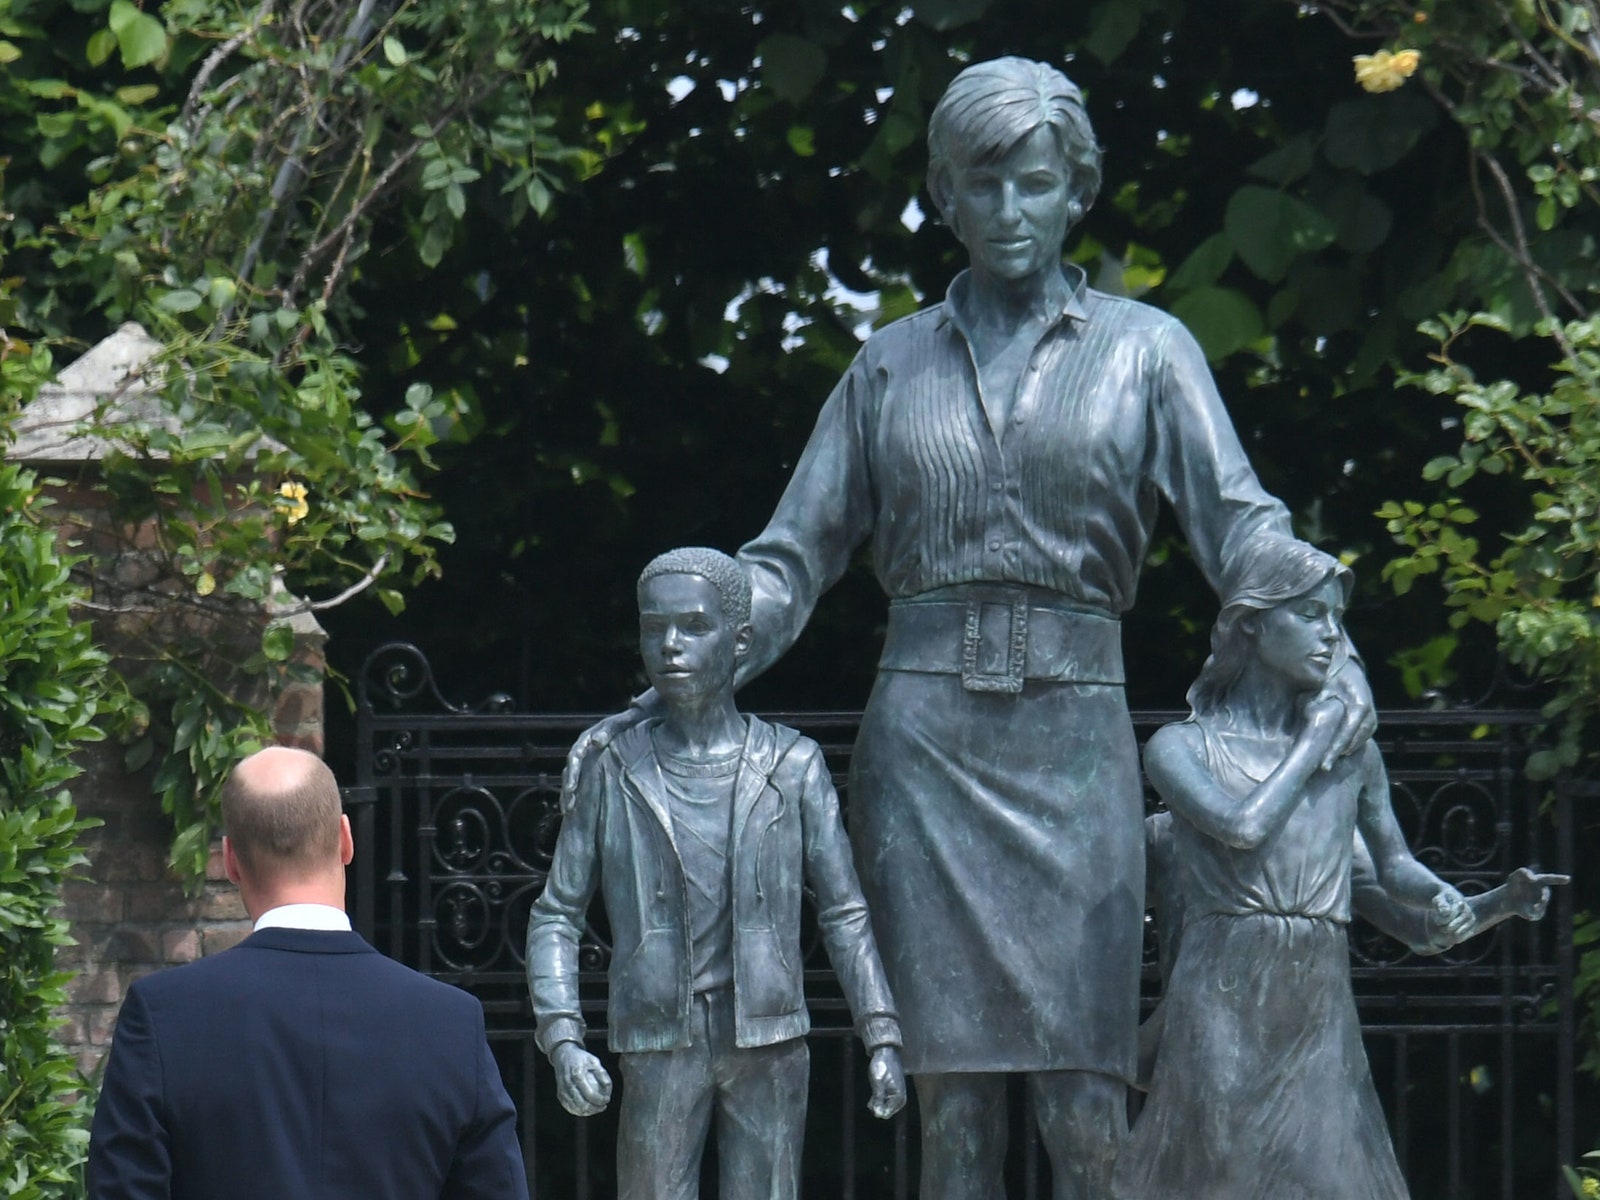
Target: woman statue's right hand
x,y
595,739
1324,718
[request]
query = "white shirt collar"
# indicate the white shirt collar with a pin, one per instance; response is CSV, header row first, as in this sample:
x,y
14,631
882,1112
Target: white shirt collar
x,y
304,916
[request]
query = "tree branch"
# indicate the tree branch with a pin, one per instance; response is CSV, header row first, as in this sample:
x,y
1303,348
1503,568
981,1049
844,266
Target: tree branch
x,y
350,593
216,58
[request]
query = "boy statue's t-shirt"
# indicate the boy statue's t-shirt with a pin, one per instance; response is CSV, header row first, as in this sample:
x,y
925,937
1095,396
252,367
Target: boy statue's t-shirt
x,y
700,797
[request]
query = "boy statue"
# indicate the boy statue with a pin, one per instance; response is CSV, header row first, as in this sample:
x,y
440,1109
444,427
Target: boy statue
x,y
700,829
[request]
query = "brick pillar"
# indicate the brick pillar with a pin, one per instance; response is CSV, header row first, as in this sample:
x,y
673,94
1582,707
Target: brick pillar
x,y
131,916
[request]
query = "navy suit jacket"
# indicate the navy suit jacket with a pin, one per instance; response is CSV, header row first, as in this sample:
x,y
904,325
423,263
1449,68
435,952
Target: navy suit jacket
x,y
302,1065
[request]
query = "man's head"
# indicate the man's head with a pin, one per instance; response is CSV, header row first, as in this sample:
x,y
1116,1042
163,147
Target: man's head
x,y
285,838
694,622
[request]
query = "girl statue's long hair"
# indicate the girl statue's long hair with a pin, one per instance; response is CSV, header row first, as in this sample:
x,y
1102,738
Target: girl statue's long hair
x,y
1268,570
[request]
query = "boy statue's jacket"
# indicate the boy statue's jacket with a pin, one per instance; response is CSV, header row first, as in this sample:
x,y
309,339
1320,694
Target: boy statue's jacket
x,y
786,833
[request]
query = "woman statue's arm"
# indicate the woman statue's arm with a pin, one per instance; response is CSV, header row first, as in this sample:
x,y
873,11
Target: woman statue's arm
x,y
1176,766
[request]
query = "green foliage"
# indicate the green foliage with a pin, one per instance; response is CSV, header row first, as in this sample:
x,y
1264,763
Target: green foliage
x,y
1521,85
52,695
215,172
1535,583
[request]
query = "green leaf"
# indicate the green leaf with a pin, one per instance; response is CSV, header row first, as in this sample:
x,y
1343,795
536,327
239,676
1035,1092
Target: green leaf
x,y
1361,221
141,38
1289,162
277,641
394,50
1205,264
1112,27
538,196
1221,319
47,89
1374,132
1542,764
181,301
9,53
101,43
139,754
791,66
802,140
56,124
1269,230
138,93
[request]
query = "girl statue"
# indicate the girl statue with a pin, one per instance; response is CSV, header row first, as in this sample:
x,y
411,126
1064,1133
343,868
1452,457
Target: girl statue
x,y
1261,1087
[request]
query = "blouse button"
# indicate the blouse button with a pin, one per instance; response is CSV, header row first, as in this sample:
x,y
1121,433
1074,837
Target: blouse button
x,y
995,485
995,545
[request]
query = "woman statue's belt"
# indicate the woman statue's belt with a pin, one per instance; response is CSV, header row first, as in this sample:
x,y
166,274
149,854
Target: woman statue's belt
x,y
997,637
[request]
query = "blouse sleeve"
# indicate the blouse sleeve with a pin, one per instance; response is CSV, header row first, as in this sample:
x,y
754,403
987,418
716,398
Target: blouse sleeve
x,y
824,515
1198,463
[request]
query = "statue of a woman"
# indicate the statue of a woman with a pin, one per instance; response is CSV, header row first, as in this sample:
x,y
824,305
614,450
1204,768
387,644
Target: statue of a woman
x,y
1003,454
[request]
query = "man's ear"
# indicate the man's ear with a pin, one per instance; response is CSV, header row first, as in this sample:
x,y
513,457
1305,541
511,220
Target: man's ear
x,y
230,860
744,639
347,842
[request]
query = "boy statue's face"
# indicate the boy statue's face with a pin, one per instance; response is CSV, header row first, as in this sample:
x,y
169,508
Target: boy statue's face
x,y
689,647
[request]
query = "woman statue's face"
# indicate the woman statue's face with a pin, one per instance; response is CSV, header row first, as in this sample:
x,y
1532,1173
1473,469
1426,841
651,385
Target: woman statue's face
x,y
1012,214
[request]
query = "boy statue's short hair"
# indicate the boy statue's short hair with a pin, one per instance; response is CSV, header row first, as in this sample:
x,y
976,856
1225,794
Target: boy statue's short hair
x,y
725,574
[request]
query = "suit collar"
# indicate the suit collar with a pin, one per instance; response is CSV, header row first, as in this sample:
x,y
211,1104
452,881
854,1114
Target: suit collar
x,y
307,941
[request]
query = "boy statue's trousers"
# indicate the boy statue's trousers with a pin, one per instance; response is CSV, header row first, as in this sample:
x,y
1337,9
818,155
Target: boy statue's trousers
x,y
668,1097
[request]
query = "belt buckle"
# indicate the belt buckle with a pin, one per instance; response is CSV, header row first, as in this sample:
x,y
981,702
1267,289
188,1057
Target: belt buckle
x,y
978,676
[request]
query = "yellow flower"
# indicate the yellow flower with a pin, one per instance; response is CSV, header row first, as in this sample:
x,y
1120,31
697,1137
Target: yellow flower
x,y
296,508
1591,1186
1383,71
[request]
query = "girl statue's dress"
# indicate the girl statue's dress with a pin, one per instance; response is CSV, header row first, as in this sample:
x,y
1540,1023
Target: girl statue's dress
x,y
1261,1089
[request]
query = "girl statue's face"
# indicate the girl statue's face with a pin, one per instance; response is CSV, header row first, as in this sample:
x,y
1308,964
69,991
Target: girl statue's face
x,y
1298,638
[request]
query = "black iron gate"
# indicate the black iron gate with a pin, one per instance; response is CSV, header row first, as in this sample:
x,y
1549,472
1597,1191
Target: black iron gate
x,y
456,813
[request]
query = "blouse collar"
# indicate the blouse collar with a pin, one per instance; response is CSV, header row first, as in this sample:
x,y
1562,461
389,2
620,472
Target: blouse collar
x,y
1065,298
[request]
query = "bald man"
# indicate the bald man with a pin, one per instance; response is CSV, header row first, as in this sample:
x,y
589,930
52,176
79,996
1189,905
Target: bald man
x,y
301,1063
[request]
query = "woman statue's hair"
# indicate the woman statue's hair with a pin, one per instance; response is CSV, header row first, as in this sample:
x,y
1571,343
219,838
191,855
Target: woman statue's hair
x,y
1268,570
991,106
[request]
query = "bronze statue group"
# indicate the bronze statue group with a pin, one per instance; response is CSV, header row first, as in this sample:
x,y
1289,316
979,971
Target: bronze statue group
x,y
1003,454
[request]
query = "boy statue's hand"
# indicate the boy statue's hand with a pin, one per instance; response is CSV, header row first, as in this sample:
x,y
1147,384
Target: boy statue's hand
x,y
888,1083
582,1084
1528,893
